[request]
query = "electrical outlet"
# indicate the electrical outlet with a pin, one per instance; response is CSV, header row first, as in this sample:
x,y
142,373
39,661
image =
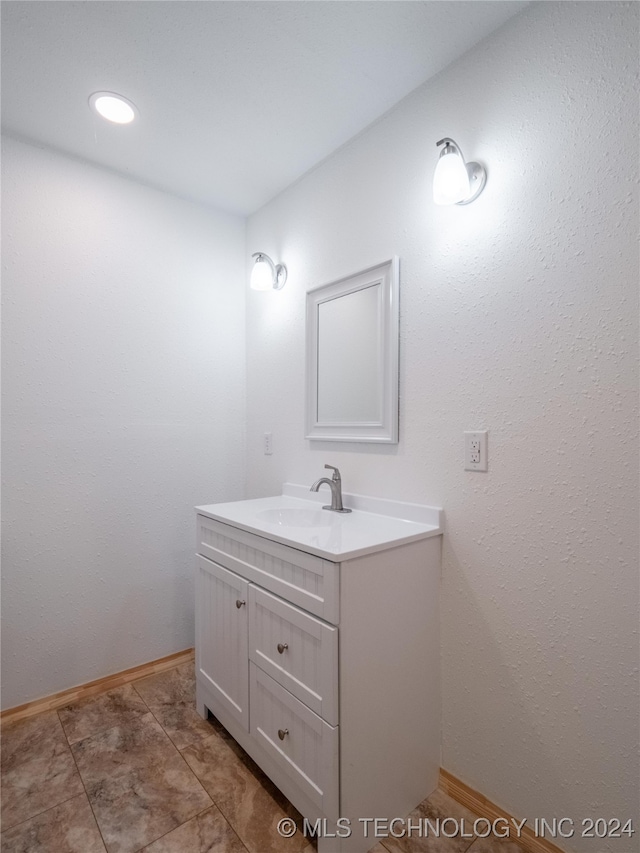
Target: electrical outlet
x,y
268,444
475,451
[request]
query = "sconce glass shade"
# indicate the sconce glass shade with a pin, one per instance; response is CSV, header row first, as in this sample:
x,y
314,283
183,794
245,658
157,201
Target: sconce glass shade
x,y
450,181
261,275
266,275
454,181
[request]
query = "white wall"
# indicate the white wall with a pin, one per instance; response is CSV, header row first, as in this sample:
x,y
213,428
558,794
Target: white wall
x,y
518,315
123,407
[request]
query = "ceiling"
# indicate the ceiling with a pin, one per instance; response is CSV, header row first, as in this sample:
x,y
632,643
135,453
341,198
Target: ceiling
x,y
237,98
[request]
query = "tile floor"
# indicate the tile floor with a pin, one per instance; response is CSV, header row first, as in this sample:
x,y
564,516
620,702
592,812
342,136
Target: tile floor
x,y
136,769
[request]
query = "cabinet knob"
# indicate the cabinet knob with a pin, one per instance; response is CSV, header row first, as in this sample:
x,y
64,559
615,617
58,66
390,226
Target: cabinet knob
x,y
240,603
282,646
282,733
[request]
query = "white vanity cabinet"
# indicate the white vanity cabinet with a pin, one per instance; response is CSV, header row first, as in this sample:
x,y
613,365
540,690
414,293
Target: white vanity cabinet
x,y
325,671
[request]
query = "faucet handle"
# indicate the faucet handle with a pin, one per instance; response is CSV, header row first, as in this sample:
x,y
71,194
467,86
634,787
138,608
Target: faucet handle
x,y
336,472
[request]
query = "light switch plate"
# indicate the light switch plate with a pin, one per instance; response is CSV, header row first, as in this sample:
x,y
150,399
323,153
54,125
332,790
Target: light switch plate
x,y
475,450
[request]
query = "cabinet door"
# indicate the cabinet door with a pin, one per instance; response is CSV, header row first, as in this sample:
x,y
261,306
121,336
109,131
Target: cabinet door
x,y
222,659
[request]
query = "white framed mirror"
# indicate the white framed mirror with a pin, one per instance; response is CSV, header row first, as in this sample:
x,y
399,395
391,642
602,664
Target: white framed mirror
x,y
352,357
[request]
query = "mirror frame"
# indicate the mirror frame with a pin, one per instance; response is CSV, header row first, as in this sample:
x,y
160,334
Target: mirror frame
x,y
385,431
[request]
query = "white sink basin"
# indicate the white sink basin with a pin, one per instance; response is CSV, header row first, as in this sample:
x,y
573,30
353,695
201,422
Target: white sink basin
x,y
295,517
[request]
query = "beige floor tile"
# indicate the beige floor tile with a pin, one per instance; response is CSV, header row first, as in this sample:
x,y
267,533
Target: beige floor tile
x,y
37,768
208,832
28,738
241,797
171,697
138,785
99,713
67,828
436,808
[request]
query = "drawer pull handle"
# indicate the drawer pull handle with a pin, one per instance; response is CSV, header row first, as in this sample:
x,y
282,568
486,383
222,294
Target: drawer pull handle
x,y
282,646
240,603
282,733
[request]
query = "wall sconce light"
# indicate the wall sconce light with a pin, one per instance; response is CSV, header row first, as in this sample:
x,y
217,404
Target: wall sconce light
x,y
454,181
266,275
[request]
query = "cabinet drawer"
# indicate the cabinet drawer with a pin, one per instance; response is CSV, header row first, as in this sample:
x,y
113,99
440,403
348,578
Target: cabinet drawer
x,y
304,579
307,752
297,650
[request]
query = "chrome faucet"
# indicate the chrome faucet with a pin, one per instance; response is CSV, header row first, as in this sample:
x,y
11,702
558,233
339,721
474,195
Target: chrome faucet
x,y
335,484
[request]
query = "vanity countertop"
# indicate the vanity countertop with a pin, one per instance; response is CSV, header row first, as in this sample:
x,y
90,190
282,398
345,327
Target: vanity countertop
x,y
296,518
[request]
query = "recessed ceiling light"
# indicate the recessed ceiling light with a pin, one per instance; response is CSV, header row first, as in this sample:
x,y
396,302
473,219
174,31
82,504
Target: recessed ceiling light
x,y
113,107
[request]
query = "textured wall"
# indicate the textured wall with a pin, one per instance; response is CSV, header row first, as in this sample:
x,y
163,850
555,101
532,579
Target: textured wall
x,y
123,407
518,315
